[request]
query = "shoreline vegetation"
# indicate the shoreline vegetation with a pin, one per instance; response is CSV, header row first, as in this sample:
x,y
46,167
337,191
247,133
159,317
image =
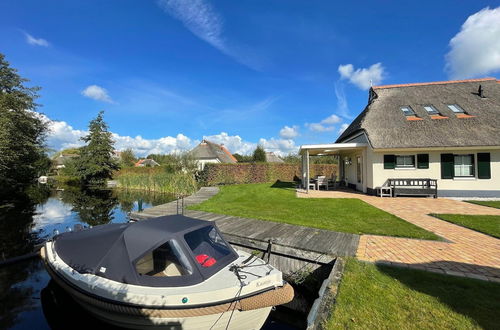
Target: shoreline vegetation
x,y
156,179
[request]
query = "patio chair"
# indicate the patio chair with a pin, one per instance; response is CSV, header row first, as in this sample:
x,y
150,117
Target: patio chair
x,y
332,183
322,182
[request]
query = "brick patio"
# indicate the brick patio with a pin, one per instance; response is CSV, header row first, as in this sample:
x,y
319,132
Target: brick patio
x,y
464,253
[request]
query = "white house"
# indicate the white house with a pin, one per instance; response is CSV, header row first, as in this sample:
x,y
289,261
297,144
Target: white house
x,y
209,152
446,131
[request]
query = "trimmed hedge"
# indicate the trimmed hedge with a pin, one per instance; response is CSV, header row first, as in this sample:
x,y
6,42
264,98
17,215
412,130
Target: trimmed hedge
x,y
219,174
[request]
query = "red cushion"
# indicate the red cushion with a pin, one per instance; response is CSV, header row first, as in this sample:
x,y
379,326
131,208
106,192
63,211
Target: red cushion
x,y
205,261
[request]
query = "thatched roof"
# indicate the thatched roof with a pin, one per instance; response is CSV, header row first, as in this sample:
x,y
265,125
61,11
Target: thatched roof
x,y
387,127
210,150
272,158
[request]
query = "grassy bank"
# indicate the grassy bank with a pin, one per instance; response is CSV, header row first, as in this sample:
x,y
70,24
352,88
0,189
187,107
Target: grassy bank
x,y
495,204
487,224
277,202
384,297
156,179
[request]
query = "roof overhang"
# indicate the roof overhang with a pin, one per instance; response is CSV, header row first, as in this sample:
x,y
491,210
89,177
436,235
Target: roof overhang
x,y
330,148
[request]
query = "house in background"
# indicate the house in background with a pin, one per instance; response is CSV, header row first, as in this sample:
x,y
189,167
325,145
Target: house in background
x,y
146,163
59,162
272,158
448,131
209,152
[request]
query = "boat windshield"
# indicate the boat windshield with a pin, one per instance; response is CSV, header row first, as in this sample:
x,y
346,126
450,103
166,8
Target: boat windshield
x,y
207,246
166,260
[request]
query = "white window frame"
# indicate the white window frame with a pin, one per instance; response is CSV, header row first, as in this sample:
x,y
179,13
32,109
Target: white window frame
x,y
433,111
411,113
472,167
405,167
456,106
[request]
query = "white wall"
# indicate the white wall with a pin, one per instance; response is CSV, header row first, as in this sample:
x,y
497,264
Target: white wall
x,y
351,170
201,162
380,175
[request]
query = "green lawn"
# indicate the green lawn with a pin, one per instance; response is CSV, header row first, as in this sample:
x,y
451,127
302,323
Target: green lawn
x,y
488,224
277,202
384,297
495,204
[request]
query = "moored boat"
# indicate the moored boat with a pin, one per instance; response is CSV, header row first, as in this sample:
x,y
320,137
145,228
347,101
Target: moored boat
x,y
170,272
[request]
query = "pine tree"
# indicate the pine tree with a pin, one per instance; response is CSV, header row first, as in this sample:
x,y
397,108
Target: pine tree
x,y
259,155
22,130
96,163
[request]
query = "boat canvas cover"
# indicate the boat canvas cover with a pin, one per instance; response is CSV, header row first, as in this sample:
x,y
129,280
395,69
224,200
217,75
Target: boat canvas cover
x,y
111,250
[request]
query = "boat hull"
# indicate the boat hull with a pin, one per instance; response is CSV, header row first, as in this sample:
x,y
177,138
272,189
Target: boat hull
x,y
246,313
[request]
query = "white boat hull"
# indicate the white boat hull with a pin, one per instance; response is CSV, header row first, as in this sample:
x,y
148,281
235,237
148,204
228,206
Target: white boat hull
x,y
239,320
248,312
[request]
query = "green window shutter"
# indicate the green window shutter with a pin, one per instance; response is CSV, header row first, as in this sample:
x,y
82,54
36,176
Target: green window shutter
x,y
447,166
483,165
423,161
389,162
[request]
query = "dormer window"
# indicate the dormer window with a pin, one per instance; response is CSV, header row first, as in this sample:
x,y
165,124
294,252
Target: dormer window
x,y
408,111
431,110
456,108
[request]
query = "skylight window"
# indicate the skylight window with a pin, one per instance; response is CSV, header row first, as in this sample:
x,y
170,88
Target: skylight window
x,y
431,110
456,108
408,111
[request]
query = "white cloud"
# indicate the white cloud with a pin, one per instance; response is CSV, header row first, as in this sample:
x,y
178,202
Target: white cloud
x,y
317,127
343,127
234,143
280,147
97,93
331,120
62,135
363,78
289,132
199,17
475,50
53,212
326,125
342,106
36,42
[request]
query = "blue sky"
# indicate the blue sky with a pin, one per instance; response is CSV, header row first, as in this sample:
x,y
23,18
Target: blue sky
x,y
280,73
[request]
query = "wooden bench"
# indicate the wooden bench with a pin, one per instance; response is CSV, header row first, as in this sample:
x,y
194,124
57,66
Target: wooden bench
x,y
413,187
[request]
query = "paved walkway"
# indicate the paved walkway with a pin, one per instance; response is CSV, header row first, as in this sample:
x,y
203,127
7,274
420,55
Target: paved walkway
x,y
464,253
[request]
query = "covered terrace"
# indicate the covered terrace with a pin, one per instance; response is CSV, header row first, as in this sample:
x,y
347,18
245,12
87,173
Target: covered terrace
x,y
352,169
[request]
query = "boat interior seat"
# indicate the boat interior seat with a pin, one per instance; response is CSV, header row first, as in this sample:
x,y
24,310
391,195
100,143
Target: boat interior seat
x,y
172,269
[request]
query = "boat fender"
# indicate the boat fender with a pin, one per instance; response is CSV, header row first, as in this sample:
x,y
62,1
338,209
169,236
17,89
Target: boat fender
x,y
205,261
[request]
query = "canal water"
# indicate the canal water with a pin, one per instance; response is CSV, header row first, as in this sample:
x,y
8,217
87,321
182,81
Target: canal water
x,y
28,298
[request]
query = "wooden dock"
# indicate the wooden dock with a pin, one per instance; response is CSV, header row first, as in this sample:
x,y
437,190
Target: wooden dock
x,y
302,244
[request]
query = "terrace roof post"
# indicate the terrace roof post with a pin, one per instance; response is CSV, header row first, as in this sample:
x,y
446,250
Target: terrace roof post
x,y
307,171
303,171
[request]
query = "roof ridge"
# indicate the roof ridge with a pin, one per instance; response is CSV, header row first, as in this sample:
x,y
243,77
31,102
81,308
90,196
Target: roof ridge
x,y
435,83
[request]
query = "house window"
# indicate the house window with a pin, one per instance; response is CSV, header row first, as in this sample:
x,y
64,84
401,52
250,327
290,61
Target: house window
x,y
408,111
406,161
431,110
463,165
456,108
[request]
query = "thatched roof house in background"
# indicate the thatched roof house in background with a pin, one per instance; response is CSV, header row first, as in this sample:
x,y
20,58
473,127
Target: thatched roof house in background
x,y
272,158
61,160
146,163
209,152
448,131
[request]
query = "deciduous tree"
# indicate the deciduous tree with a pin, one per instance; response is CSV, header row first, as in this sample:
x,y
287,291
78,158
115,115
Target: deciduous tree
x,y
22,130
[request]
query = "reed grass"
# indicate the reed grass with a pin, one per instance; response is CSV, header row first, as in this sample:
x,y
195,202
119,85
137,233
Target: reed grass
x,y
157,179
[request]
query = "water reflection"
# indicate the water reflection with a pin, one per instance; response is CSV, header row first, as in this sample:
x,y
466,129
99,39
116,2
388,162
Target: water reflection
x,y
29,219
93,206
